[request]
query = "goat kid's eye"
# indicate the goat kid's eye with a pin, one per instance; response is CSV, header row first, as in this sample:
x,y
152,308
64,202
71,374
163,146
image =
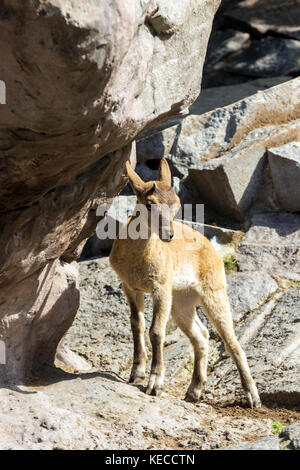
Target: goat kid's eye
x,y
148,206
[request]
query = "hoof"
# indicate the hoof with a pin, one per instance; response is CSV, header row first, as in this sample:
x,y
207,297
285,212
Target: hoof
x,y
192,397
155,385
155,392
253,400
137,380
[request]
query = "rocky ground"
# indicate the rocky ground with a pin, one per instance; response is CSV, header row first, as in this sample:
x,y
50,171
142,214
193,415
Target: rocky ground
x,y
86,402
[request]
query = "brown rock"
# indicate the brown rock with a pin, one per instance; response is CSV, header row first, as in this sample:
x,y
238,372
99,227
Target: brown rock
x,y
82,79
78,96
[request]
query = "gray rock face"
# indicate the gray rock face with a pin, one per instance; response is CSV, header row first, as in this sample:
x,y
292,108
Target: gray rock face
x,y
88,102
263,16
285,171
91,75
270,338
267,58
218,97
210,99
197,138
247,291
272,244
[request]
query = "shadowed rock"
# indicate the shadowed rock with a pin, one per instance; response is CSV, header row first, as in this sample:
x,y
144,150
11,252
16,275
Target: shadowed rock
x,y
269,57
285,171
277,17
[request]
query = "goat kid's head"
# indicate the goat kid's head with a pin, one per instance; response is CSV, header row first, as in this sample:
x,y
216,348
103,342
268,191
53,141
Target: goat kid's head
x,y
159,199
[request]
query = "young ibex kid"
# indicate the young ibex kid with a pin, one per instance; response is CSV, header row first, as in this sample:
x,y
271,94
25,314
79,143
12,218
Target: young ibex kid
x,y
181,270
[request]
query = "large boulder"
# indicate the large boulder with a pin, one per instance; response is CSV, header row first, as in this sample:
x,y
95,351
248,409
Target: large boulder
x,y
82,80
229,184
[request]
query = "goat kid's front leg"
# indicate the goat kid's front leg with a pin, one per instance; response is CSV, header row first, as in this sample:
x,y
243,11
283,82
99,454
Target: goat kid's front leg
x,y
162,301
136,303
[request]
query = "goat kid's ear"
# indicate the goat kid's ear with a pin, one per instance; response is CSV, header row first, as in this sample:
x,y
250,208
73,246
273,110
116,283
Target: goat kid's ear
x,y
136,182
164,172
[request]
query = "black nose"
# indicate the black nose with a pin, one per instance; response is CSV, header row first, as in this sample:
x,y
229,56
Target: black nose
x,y
169,237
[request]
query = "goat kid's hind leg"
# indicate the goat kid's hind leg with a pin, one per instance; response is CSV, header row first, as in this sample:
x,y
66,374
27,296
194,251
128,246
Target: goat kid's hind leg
x,y
216,306
136,303
162,300
193,328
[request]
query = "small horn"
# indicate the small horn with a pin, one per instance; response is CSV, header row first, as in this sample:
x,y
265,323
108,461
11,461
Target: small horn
x,y
136,182
164,173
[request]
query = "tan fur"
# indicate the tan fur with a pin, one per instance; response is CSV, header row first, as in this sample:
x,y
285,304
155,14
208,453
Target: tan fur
x,y
180,274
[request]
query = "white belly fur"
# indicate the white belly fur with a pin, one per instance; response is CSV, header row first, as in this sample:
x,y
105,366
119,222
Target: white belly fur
x,y
185,278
